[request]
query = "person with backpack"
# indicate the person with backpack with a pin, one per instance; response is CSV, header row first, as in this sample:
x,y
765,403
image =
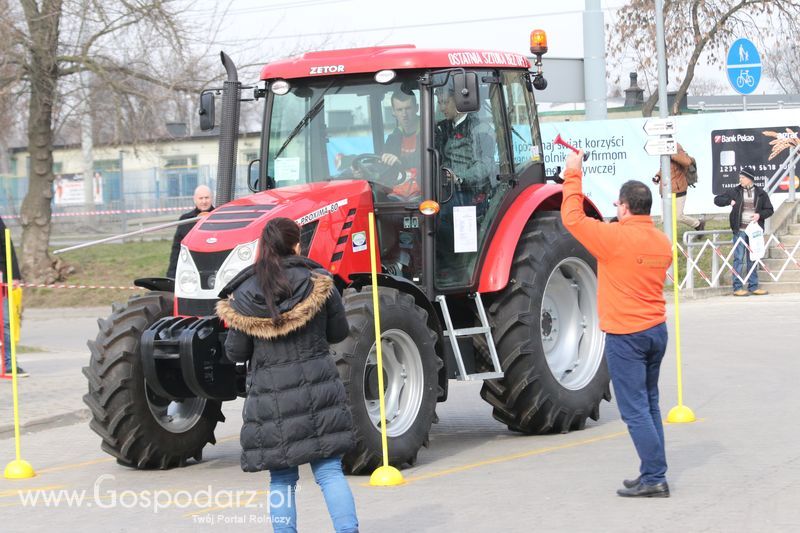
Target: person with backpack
x,y
683,172
282,313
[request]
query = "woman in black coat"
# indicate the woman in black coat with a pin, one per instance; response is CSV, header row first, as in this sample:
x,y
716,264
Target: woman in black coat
x,y
282,313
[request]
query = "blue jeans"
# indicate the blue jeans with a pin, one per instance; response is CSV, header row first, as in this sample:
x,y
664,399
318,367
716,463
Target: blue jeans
x,y
634,361
741,258
6,336
330,478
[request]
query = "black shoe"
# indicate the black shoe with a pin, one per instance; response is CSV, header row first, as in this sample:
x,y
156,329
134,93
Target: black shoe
x,y
701,226
21,373
659,490
630,483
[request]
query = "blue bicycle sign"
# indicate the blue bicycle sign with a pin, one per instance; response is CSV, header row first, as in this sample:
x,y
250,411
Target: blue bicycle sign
x,y
744,66
744,79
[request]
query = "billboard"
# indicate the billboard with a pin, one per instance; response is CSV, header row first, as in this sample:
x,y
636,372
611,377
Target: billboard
x,y
722,144
68,189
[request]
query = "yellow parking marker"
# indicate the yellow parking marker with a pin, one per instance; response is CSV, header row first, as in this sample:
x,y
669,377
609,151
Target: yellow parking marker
x,y
18,468
680,413
386,475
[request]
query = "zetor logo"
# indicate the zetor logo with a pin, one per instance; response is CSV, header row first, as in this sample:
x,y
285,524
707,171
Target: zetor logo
x,y
733,138
328,69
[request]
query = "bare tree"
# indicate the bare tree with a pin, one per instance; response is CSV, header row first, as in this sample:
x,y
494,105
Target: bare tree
x,y
130,47
694,29
783,63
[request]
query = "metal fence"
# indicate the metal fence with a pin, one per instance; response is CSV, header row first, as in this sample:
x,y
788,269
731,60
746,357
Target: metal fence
x,y
126,200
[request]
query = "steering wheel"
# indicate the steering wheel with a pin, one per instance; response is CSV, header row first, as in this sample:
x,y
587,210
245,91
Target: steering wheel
x,y
372,168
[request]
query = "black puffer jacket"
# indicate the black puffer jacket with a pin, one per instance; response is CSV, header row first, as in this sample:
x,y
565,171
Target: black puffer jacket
x,y
296,409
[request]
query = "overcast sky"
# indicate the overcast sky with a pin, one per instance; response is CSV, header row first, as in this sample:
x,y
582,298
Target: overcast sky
x,y
259,30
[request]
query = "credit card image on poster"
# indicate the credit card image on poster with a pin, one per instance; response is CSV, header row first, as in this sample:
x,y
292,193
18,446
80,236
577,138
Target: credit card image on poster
x,y
756,149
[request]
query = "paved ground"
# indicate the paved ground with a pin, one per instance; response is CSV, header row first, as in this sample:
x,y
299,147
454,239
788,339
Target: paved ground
x,y
736,469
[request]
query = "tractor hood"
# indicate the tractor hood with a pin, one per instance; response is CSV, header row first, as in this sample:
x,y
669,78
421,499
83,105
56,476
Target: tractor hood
x,y
225,242
242,220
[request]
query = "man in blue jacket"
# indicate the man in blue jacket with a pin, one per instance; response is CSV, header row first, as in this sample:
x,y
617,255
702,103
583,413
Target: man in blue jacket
x,y
749,204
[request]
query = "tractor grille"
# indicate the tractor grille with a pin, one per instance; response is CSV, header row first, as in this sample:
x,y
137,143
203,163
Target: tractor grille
x,y
306,235
194,307
208,264
233,217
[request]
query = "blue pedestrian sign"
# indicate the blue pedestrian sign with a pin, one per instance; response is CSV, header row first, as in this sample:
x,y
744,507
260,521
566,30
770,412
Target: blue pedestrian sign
x,y
744,66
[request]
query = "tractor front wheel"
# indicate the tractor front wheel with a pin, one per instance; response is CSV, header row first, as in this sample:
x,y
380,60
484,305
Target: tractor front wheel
x,y
138,427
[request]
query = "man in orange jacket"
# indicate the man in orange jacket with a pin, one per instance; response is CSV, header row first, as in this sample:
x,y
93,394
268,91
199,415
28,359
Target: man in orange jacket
x,y
632,260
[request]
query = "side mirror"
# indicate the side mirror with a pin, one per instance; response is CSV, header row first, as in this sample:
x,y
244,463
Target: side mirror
x,y
206,110
253,173
465,85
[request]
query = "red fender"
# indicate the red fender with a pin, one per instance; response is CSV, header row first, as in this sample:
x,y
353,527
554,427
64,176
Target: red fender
x,y
497,263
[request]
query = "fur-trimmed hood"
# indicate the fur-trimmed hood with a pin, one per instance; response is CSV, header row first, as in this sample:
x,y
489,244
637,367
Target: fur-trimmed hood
x,y
245,309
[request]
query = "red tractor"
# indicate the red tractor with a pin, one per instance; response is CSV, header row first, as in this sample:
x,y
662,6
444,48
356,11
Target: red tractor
x,y
479,281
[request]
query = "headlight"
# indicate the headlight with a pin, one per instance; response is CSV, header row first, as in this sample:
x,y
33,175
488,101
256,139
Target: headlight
x,y
189,282
184,256
240,258
245,252
228,274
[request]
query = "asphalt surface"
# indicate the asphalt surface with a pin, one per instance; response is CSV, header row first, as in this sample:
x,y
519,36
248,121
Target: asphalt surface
x,y
734,469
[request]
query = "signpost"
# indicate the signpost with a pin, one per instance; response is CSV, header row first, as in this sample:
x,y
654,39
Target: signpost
x,y
660,126
661,146
744,67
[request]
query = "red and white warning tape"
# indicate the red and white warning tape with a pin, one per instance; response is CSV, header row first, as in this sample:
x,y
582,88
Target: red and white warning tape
x,y
63,286
109,212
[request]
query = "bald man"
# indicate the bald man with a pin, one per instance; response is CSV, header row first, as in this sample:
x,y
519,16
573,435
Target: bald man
x,y
203,206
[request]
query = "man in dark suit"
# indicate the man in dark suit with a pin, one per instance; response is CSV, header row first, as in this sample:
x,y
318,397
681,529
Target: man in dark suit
x,y
203,206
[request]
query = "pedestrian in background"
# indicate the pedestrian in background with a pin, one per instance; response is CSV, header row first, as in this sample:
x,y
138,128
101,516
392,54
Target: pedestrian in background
x,y
632,260
678,165
749,203
7,277
282,313
202,206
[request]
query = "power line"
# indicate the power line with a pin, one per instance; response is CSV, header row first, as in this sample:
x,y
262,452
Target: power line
x,y
263,9
401,27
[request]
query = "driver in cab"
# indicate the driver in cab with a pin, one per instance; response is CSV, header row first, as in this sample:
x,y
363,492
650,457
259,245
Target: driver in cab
x,y
402,148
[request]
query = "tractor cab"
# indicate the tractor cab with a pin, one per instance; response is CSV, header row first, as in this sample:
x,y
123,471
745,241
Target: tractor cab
x,y
455,131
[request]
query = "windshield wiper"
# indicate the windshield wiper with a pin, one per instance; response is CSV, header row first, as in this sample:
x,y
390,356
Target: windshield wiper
x,y
308,117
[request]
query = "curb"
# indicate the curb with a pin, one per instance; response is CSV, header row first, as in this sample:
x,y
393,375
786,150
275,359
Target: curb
x,y
48,422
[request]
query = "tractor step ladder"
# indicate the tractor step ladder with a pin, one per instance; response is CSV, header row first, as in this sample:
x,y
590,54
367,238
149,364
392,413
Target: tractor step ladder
x,y
484,330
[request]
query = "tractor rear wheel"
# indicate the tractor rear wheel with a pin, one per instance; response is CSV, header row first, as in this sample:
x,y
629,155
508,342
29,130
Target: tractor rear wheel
x,y
546,330
138,427
410,375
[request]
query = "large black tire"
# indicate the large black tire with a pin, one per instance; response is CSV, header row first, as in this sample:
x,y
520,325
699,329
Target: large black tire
x,y
123,406
547,334
411,368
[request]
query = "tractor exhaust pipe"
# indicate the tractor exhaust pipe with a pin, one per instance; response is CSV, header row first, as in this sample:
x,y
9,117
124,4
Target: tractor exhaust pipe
x,y
228,133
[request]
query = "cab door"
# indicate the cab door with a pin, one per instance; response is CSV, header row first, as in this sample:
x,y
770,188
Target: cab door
x,y
473,178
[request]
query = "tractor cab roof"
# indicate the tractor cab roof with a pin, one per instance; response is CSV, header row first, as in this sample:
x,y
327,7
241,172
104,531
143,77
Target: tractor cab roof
x,y
373,59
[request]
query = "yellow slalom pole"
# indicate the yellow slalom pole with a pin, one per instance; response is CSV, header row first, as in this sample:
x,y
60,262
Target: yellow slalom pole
x,y
386,475
18,468
680,413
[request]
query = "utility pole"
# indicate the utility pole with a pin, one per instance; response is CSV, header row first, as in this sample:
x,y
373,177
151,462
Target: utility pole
x,y
663,112
594,61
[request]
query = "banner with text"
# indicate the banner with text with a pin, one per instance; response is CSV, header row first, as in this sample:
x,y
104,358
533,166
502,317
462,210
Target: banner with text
x,y
722,144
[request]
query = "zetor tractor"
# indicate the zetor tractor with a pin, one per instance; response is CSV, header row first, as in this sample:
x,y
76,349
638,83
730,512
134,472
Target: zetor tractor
x,y
479,278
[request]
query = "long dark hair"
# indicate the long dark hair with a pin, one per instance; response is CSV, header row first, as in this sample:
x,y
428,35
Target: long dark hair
x,y
278,240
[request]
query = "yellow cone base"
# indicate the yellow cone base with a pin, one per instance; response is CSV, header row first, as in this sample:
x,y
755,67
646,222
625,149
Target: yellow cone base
x,y
680,414
386,476
19,469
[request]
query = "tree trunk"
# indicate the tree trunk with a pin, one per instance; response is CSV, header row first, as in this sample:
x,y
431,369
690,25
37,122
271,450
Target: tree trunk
x,y
37,265
650,104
